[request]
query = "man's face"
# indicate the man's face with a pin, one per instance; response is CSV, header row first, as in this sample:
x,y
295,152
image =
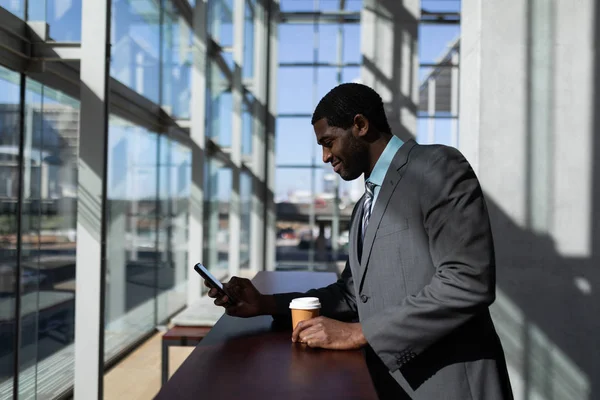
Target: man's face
x,y
348,155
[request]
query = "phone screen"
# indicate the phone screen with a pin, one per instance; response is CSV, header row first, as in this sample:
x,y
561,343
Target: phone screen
x,y
210,276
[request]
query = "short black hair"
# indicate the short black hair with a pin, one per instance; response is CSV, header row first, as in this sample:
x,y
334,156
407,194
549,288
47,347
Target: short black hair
x,y
343,102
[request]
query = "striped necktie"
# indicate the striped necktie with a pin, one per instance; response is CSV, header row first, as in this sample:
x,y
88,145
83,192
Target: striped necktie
x,y
369,188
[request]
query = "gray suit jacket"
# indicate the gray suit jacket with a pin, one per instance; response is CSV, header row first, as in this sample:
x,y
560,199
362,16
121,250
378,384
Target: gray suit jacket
x,y
422,282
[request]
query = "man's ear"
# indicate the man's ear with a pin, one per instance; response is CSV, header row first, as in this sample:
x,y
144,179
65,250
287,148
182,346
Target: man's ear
x,y
361,125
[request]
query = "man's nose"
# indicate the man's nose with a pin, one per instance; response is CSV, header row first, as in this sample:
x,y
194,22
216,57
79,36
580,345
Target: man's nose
x,y
326,155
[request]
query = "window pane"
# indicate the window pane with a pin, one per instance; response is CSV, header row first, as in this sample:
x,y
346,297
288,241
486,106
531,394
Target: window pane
x,y
434,41
135,41
248,71
296,5
131,234
441,5
63,18
295,84
351,74
328,39
48,238
245,216
247,123
17,7
177,62
439,81
9,178
296,43
352,43
219,106
216,233
437,130
295,142
174,183
295,237
220,19
295,94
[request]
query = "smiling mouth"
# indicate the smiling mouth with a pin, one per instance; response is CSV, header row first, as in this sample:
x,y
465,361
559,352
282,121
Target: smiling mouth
x,y
337,166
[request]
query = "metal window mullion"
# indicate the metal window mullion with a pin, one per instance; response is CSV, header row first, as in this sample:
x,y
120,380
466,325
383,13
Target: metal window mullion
x,y
271,111
198,146
431,89
454,88
259,87
91,200
19,269
236,137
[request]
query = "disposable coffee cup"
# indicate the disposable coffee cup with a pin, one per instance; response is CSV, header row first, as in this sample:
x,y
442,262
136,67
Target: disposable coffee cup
x,y
304,308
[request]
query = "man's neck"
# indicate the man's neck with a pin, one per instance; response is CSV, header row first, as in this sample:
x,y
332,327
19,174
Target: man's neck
x,y
375,151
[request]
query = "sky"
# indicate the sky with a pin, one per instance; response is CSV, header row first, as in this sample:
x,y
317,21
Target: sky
x,y
295,142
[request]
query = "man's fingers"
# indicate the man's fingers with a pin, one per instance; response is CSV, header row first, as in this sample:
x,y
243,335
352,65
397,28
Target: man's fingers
x,y
213,293
303,325
308,333
221,301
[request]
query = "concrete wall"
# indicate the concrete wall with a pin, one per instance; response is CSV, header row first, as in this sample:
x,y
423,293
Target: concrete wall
x,y
530,92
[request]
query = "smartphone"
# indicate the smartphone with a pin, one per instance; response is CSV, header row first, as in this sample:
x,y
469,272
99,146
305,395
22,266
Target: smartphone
x,y
213,282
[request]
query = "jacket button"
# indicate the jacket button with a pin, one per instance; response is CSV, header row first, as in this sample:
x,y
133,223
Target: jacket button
x,y
364,298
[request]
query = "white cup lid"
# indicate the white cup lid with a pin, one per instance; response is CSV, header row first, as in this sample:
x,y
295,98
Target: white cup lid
x,y
305,303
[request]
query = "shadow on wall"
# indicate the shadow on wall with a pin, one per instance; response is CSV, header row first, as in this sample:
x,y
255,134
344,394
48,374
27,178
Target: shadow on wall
x,y
546,314
389,49
547,311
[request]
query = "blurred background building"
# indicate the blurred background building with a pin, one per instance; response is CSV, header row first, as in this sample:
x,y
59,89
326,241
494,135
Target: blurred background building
x,y
138,137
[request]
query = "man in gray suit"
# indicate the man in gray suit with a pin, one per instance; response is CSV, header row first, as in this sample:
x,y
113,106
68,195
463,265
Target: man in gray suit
x,y
420,275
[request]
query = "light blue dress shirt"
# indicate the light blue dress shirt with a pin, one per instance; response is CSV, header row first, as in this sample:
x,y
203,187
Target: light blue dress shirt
x,y
382,165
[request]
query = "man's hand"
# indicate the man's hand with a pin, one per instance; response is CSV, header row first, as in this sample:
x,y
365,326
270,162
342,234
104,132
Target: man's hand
x,y
249,301
328,333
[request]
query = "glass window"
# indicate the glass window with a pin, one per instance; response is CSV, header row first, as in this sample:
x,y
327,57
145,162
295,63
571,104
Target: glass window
x,y
328,43
63,18
294,85
220,19
245,217
17,7
295,142
351,43
177,63
324,5
218,188
297,5
219,106
248,66
131,238
296,239
135,39
434,41
48,241
174,183
441,5
296,43
353,5
247,123
351,74
10,131
437,130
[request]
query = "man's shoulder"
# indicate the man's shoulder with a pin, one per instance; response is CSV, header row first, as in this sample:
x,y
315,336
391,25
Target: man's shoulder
x,y
432,152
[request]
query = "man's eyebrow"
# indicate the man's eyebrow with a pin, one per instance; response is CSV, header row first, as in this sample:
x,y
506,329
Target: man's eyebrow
x,y
322,138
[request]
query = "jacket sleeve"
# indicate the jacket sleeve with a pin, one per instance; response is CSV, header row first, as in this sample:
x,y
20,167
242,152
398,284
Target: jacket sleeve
x,y
337,300
456,220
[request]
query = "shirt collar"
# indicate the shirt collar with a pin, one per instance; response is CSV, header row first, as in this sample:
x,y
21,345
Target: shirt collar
x,y
384,161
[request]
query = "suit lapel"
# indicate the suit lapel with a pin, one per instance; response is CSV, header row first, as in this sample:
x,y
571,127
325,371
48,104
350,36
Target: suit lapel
x,y
392,177
353,242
